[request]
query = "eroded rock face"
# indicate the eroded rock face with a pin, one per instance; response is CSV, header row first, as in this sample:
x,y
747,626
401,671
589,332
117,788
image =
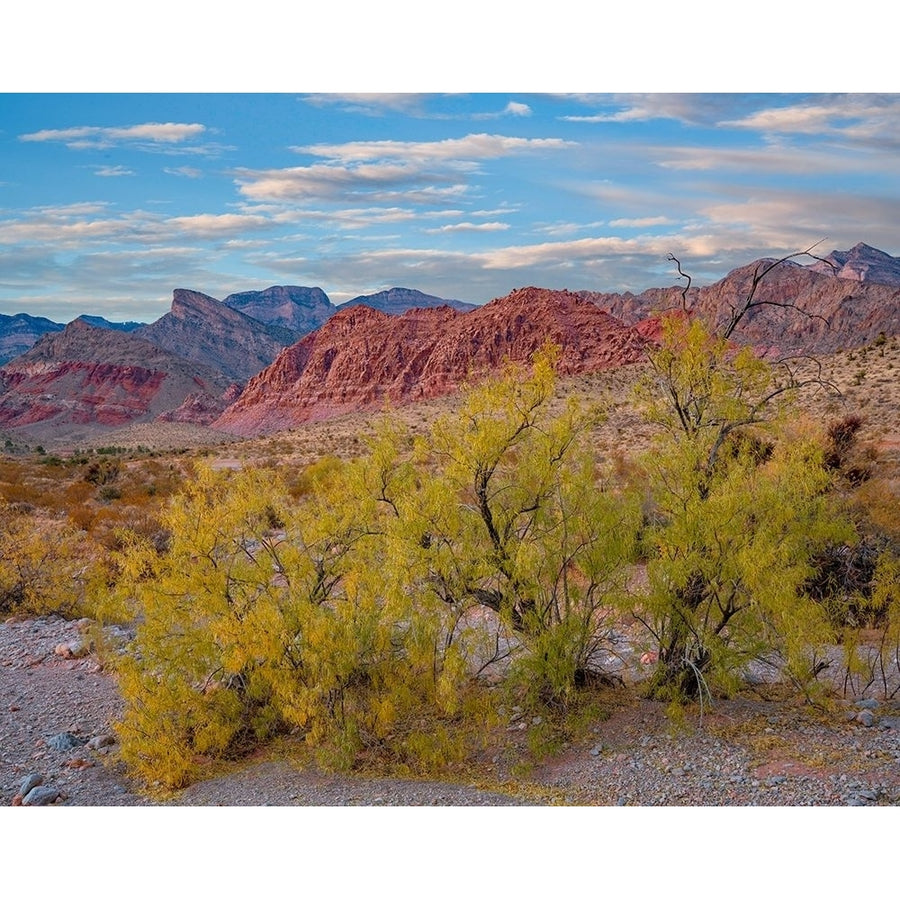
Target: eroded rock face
x,y
95,377
362,358
206,331
300,309
832,307
861,263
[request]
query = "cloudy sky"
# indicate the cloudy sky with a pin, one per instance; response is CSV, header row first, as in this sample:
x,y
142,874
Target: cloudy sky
x,y
109,202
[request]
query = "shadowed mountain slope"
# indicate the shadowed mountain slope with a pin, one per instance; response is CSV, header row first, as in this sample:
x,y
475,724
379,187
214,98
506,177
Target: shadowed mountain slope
x,y
206,331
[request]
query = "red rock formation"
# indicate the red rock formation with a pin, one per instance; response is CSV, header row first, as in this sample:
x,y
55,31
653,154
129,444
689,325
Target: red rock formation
x,y
362,358
86,376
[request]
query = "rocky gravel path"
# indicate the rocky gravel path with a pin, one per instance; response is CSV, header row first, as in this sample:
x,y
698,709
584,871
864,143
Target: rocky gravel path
x,y
57,746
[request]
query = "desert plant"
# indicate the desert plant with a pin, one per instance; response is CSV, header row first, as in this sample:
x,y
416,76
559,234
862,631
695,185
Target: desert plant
x,y
366,607
740,513
43,564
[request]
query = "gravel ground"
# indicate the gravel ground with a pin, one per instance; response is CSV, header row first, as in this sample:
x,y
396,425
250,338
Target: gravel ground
x,y
57,709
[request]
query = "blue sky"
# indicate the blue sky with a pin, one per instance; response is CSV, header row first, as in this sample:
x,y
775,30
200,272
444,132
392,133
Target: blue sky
x,y
110,201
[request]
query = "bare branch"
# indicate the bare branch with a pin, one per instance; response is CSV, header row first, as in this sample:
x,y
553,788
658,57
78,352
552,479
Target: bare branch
x,y
761,272
681,274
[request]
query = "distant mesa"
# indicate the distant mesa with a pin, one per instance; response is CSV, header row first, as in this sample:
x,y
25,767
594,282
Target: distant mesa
x,y
299,309
398,300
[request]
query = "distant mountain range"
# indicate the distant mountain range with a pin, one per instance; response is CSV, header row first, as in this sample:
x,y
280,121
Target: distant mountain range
x,y
397,301
264,360
292,311
835,303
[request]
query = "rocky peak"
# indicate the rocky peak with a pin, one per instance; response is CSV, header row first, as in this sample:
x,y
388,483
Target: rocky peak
x,y
301,309
397,300
187,303
206,331
860,263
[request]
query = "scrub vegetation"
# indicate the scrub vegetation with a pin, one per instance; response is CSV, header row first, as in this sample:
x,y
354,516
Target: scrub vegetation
x,y
387,605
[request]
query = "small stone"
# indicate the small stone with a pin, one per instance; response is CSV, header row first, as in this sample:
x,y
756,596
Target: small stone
x,y
65,740
536,720
867,703
43,795
866,718
596,750
31,781
776,779
101,740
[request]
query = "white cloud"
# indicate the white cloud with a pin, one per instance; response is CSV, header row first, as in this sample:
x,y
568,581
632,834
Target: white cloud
x,y
860,117
692,109
184,171
470,147
470,226
112,171
773,158
517,109
323,181
70,228
646,222
387,171
94,136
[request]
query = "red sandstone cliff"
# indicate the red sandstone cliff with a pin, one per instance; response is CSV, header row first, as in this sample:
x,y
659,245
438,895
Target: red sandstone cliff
x,y
362,358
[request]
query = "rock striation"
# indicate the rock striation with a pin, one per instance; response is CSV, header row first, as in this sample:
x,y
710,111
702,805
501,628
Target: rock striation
x,y
92,377
860,263
363,358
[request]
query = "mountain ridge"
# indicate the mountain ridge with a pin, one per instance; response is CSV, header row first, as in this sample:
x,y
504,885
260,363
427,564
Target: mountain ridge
x,y
363,358
85,378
